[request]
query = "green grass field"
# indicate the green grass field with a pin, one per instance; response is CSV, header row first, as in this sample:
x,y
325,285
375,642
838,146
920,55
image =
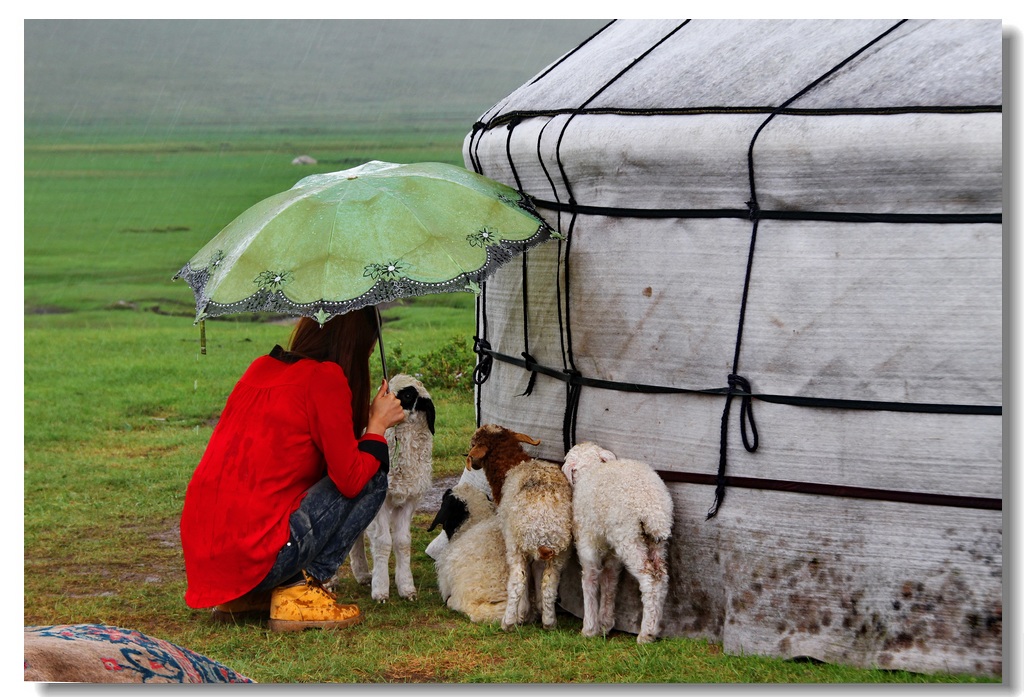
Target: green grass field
x,y
119,405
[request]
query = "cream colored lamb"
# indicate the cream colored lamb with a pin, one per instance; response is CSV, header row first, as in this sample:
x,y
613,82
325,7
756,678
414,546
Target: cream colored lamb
x,y
535,514
472,573
410,449
622,515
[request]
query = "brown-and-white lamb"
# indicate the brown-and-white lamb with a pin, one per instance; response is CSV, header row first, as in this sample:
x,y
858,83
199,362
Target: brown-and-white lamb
x,y
534,507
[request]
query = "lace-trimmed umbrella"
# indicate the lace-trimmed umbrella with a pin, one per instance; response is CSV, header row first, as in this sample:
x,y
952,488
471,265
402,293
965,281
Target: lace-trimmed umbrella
x,y
340,241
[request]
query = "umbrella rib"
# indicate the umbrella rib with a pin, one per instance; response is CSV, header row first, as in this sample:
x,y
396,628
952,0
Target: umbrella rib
x,y
447,254
413,214
330,242
239,248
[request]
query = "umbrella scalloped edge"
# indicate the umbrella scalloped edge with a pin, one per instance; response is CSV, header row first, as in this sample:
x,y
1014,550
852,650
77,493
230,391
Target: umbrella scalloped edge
x,y
384,290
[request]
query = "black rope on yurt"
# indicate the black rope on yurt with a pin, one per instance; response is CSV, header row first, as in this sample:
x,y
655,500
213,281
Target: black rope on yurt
x,y
508,153
763,214
571,392
898,496
738,385
561,313
526,332
473,149
558,266
481,346
484,362
574,386
524,114
525,257
570,53
789,400
841,490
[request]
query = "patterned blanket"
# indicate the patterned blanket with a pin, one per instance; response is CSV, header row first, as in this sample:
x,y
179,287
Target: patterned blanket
x,y
92,653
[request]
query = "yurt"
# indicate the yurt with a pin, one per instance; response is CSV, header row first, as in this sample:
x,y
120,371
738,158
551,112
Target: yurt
x,y
780,285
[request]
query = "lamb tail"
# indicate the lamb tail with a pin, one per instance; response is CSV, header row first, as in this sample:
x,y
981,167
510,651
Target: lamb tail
x,y
653,536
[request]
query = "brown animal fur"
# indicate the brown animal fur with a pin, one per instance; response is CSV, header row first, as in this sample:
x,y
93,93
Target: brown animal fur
x,y
501,452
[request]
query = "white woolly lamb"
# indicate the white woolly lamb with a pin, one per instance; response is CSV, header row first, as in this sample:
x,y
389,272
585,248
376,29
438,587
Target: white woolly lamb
x,y
472,574
410,449
622,515
535,514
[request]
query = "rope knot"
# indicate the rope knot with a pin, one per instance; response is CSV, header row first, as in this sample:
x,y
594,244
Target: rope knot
x,y
574,376
754,208
740,387
485,361
530,362
738,381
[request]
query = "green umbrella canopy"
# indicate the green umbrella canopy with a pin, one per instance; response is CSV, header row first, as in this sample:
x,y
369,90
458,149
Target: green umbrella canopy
x,y
339,241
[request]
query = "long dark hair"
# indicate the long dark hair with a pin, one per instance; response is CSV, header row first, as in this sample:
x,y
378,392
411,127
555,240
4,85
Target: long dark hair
x,y
346,340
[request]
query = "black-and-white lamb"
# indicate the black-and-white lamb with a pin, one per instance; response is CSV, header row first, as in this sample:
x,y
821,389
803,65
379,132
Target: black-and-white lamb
x,y
472,573
410,447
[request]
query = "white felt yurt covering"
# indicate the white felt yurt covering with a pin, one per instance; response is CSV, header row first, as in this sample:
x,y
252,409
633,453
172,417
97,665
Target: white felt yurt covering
x,y
781,281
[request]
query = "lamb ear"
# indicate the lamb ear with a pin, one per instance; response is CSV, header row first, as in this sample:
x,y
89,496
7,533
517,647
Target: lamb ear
x,y
523,438
475,453
427,407
605,455
443,511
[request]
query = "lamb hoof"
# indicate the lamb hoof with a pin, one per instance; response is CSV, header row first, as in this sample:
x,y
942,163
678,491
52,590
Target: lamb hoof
x,y
548,626
362,579
646,639
590,632
408,595
505,626
380,597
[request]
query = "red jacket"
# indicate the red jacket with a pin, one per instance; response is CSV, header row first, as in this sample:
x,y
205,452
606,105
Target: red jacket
x,y
284,426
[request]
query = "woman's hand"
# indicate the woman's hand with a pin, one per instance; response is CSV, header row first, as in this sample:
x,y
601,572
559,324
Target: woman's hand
x,y
385,411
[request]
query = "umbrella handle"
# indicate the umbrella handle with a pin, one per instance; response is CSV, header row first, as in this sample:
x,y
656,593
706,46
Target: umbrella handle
x,y
380,343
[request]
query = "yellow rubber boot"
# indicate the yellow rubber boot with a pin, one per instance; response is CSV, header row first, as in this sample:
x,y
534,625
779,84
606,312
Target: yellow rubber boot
x,y
309,606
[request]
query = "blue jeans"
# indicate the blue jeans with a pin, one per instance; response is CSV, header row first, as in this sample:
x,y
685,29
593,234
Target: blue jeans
x,y
323,529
